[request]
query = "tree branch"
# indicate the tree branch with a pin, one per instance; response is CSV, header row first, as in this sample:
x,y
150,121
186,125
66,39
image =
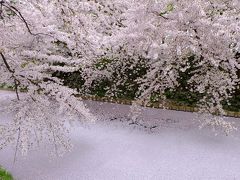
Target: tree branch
x,y
19,14
16,81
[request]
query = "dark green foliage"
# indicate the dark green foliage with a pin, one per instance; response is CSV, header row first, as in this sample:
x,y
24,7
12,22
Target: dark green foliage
x,y
128,72
234,102
182,94
103,63
6,86
99,88
183,97
73,80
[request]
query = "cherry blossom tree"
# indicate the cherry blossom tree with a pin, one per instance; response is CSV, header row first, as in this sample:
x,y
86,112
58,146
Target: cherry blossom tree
x,y
169,33
40,38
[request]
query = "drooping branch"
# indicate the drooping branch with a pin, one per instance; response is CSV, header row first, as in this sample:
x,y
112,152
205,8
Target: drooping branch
x,y
1,9
6,63
21,17
16,81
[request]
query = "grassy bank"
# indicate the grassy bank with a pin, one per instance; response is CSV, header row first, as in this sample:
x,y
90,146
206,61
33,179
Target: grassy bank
x,y
4,175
